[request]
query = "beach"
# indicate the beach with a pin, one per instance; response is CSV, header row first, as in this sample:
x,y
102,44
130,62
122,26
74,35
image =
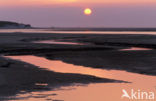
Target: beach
x,y
132,53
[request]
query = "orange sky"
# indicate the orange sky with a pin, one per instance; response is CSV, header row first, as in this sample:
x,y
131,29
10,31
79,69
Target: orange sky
x,y
69,13
77,2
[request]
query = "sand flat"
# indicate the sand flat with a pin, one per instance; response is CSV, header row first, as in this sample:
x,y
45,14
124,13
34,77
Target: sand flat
x,y
102,52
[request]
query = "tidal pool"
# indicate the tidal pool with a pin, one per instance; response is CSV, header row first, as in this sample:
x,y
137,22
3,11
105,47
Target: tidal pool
x,y
58,42
135,49
91,92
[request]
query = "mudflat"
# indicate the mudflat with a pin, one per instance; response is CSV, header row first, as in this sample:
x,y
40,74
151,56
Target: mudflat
x,y
95,50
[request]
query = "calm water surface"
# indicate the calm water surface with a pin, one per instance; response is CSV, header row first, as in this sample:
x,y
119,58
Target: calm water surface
x,y
135,49
76,32
58,42
92,92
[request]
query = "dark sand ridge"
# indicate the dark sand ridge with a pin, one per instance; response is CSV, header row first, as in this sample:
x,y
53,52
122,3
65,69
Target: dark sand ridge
x,y
19,43
142,62
14,41
27,77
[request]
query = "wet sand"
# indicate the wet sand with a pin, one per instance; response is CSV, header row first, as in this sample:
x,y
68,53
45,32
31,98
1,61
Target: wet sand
x,y
99,51
18,76
98,91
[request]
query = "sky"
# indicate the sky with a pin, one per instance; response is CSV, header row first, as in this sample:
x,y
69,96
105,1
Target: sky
x,y
69,13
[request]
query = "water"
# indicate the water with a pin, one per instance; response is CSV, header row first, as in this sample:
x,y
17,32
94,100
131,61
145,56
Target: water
x,y
92,92
58,42
135,49
75,32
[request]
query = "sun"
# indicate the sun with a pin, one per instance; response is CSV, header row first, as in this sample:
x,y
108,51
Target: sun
x,y
87,11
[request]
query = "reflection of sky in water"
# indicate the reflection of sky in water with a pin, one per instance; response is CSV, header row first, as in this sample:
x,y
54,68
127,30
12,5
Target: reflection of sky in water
x,y
135,49
92,92
76,32
58,42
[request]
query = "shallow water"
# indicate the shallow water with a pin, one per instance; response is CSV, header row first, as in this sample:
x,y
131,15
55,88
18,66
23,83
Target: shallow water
x,y
92,92
135,49
58,42
75,32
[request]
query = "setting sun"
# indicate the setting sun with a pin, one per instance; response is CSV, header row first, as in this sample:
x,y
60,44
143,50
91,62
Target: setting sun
x,y
87,11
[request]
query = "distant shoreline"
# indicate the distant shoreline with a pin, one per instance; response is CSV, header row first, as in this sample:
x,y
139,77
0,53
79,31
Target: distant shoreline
x,y
13,25
102,29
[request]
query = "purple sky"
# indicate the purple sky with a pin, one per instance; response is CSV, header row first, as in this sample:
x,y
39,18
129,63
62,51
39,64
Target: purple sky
x,y
69,16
